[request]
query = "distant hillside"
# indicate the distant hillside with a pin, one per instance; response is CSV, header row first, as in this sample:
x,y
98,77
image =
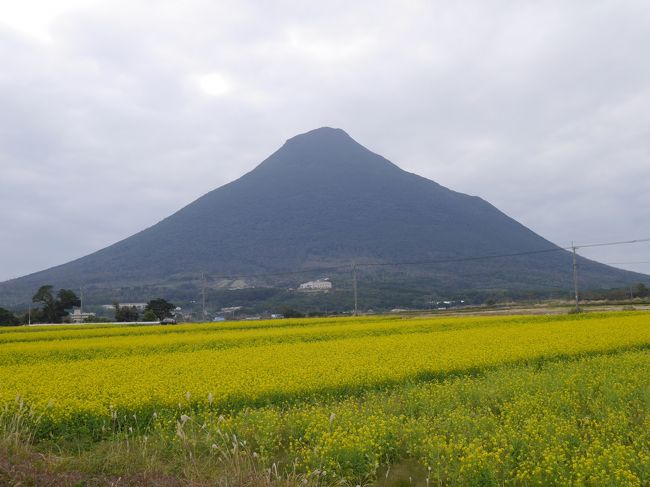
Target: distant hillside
x,y
323,199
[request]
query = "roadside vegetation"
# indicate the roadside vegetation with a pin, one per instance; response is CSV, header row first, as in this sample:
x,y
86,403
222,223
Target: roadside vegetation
x,y
54,308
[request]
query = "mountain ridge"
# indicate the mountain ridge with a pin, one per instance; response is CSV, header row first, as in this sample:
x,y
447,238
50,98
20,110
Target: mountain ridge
x,y
322,198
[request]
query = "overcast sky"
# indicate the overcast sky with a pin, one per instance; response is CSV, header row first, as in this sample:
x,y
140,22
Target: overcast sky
x,y
114,114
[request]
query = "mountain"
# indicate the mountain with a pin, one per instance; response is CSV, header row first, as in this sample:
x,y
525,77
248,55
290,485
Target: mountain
x,y
321,200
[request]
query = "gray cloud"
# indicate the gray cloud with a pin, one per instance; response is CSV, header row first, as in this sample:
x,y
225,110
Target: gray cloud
x,y
107,123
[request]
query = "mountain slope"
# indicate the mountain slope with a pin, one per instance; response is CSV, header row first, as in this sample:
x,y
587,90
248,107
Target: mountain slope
x,y
323,199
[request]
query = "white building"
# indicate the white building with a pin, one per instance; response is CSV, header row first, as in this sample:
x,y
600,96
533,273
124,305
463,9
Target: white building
x,y
318,285
138,306
76,316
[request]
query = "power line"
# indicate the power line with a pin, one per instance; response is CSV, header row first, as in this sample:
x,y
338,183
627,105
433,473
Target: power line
x,y
280,273
426,262
354,285
381,264
203,294
575,277
639,240
461,259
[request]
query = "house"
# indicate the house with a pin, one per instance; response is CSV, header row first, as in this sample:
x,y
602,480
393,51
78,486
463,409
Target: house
x,y
318,285
231,309
138,306
76,316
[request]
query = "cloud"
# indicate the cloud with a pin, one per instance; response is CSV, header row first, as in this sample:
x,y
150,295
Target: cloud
x,y
115,114
214,84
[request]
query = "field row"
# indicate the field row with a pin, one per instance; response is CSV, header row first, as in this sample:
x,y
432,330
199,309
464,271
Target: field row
x,y
82,344
564,422
50,334
586,421
87,392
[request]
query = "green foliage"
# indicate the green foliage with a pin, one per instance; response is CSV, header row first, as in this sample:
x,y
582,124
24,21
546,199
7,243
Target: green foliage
x,y
53,310
149,315
48,311
67,299
160,307
290,312
126,313
98,319
7,318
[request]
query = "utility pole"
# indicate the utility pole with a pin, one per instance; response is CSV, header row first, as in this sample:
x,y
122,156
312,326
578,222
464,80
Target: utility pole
x,y
81,303
354,287
203,294
575,277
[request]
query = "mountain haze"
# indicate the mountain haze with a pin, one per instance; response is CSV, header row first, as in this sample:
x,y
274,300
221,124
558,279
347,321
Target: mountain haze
x,y
323,199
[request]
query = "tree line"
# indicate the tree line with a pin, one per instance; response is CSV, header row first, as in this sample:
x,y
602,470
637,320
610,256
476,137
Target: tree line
x,y
155,310
51,307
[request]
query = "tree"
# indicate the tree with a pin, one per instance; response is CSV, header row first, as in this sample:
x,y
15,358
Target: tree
x,y
642,290
126,313
54,309
67,299
160,307
46,299
149,315
7,318
288,312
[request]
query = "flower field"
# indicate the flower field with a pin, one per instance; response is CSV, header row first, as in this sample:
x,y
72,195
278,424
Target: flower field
x,y
470,400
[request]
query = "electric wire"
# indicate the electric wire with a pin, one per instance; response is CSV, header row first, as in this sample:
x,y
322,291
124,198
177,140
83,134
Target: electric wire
x,y
426,262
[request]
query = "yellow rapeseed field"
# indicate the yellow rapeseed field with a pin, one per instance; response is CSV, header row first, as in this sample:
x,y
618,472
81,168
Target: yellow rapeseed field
x,y
472,399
